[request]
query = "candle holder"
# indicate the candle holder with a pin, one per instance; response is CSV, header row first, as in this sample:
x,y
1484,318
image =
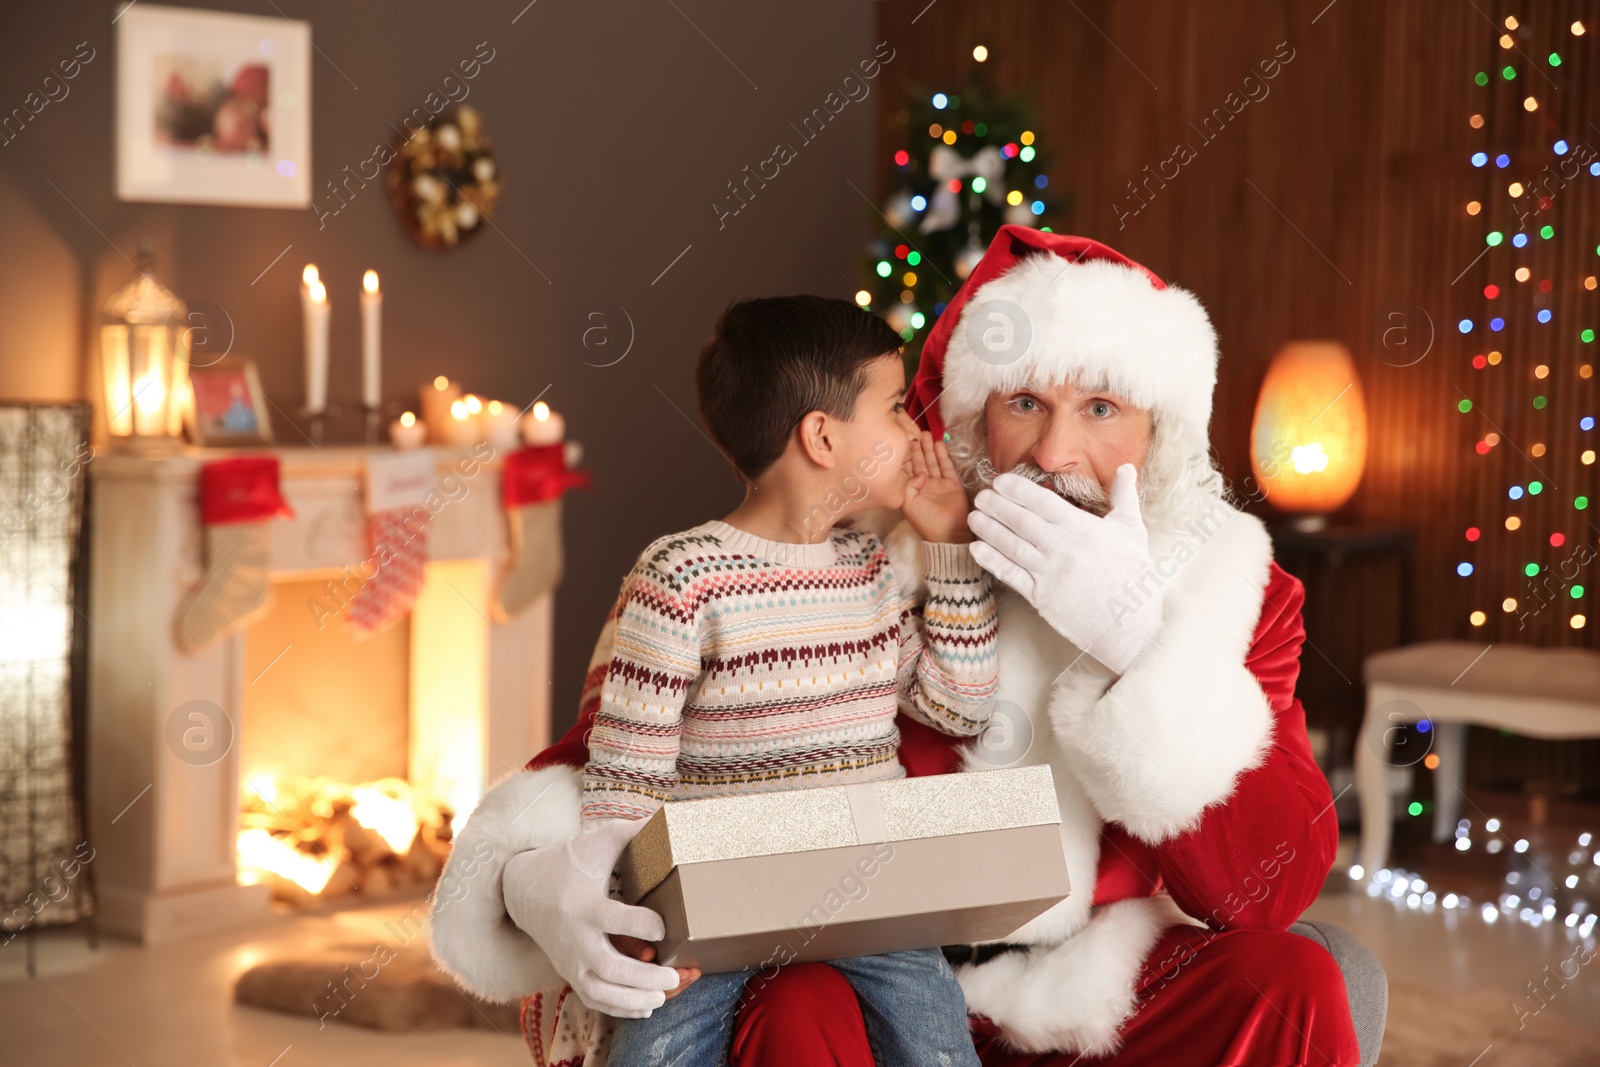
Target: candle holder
x,y
373,430
332,413
336,424
332,408
144,363
315,426
344,423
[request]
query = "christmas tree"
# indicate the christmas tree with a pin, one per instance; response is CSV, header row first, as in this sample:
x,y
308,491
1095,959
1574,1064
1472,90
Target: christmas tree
x,y
966,164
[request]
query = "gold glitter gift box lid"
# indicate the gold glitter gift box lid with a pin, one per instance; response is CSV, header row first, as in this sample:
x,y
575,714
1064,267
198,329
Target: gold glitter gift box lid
x,y
827,817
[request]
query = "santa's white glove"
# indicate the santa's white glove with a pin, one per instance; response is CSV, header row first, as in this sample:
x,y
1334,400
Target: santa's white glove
x,y
559,896
1075,568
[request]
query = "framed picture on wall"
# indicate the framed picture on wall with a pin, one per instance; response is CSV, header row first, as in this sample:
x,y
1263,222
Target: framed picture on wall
x,y
228,406
213,108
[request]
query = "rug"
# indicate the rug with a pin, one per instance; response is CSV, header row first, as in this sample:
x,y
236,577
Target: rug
x,y
382,990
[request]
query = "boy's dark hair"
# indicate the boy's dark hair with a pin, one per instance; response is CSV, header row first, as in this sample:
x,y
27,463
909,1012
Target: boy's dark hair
x,y
772,360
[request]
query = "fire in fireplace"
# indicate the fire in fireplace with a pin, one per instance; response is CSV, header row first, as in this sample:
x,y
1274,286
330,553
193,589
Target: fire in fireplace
x,y
316,839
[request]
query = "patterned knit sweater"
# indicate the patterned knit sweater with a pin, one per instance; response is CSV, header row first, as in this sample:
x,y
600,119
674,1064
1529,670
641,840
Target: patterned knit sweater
x,y
742,664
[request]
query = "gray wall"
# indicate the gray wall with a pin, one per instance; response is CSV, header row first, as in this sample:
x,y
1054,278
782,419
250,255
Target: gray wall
x,y
617,126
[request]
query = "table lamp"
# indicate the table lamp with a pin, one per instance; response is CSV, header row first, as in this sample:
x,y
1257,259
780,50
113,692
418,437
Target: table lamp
x,y
1308,441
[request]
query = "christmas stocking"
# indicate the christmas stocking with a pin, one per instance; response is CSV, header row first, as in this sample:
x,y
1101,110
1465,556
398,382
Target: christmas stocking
x,y
238,497
534,480
397,529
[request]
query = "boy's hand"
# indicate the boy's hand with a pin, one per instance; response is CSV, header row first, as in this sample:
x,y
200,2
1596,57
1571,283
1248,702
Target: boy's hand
x,y
644,950
936,501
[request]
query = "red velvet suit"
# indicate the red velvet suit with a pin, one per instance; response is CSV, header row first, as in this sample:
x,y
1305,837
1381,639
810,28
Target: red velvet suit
x,y
1241,990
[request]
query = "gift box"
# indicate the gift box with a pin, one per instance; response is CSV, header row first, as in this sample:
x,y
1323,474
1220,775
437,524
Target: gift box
x,y
764,879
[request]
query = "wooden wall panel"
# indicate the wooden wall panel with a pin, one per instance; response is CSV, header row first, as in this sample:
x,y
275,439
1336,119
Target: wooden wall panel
x,y
1334,202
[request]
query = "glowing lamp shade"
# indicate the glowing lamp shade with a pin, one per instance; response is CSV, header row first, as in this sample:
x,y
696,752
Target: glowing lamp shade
x,y
144,363
1308,442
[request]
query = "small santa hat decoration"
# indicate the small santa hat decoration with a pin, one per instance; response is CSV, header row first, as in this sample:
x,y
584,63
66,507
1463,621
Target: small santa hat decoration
x,y
1045,308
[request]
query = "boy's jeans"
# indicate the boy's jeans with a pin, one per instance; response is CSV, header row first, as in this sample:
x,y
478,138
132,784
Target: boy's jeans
x,y
915,1012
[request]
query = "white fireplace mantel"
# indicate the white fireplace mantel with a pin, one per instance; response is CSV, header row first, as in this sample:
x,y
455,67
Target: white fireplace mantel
x,y
163,827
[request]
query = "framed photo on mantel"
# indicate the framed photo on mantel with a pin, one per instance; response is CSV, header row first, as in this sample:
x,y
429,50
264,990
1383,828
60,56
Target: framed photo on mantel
x,y
229,407
212,108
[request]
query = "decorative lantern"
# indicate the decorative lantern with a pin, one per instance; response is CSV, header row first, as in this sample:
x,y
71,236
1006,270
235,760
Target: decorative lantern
x,y
1308,443
144,363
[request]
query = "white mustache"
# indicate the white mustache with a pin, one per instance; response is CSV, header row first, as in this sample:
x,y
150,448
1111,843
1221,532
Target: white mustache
x,y
1080,489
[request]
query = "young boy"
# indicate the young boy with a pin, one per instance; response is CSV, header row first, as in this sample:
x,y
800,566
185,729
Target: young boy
x,y
771,649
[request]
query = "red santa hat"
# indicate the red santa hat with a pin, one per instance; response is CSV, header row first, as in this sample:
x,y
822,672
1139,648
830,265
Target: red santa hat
x,y
1045,308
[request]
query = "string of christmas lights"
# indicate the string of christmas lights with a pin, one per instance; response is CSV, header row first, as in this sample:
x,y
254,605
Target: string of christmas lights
x,y
1514,327
1542,883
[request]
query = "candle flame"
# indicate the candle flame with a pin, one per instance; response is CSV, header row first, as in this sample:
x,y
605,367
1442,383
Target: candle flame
x,y
408,419
148,396
541,411
441,383
474,405
310,274
495,406
458,409
369,281
319,292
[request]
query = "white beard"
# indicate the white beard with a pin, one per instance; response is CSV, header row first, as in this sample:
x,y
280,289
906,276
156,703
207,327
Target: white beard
x,y
1076,488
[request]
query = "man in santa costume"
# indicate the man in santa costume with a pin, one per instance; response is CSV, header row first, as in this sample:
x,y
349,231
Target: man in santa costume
x,y
1149,648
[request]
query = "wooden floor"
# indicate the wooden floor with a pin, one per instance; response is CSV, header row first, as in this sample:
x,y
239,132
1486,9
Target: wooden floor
x,y
125,1005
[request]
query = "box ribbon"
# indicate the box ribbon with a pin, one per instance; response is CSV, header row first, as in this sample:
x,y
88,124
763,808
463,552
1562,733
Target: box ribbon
x,y
867,812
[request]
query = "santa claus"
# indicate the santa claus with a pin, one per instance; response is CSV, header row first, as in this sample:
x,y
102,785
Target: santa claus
x,y
1149,648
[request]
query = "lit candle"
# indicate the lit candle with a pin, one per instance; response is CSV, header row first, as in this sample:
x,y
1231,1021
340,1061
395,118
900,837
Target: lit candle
x,y
307,276
371,340
500,424
541,426
477,412
407,432
461,428
317,315
150,392
437,396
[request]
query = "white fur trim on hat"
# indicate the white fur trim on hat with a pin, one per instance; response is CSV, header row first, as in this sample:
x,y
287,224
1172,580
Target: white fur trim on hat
x,y
1094,321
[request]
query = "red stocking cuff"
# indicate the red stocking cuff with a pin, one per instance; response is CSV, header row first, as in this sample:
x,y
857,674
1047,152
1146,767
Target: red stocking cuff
x,y
244,489
537,474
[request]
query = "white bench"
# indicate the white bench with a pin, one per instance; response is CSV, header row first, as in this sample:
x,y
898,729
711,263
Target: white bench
x,y
1540,692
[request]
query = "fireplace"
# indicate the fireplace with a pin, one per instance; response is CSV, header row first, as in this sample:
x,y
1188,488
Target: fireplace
x,y
356,758
336,769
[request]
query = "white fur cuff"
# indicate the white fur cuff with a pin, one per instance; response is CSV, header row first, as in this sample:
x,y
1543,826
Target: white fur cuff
x,y
1074,997
1172,736
474,941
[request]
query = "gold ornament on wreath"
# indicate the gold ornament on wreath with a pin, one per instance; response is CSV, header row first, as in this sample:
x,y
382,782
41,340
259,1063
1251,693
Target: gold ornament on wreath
x,y
444,181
